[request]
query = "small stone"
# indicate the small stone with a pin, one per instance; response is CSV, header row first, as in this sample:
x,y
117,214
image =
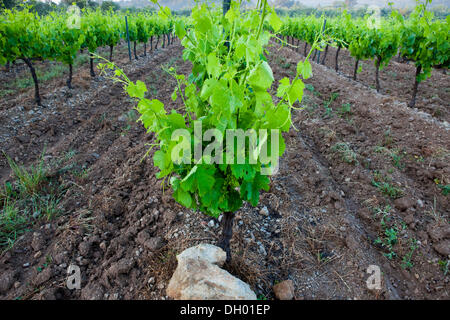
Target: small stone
x,y
262,250
284,290
264,211
103,246
37,242
211,224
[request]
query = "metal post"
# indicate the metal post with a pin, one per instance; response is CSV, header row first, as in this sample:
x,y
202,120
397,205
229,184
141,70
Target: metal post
x,y
226,6
128,38
323,30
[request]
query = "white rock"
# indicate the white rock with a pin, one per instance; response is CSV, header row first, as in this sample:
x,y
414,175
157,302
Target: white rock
x,y
199,277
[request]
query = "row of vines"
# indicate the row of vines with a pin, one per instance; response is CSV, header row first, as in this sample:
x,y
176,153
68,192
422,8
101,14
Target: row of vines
x,y
26,36
419,38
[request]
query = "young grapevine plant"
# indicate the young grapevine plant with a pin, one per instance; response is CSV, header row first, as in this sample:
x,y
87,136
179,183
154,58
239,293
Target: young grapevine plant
x,y
227,89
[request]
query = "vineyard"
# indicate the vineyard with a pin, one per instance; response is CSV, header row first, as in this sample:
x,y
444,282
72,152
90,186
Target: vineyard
x,y
348,166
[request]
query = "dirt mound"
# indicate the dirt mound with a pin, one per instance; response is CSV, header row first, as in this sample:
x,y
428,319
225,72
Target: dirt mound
x,y
357,186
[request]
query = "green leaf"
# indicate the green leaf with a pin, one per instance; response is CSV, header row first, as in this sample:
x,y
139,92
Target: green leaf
x,y
174,95
296,91
250,190
137,90
261,77
304,69
160,160
245,171
213,66
180,29
201,177
283,87
275,21
183,197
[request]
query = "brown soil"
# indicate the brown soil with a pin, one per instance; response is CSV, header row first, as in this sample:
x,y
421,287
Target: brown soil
x,y
124,231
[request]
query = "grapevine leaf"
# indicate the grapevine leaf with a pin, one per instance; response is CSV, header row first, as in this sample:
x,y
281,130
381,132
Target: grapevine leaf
x,y
304,69
250,189
261,77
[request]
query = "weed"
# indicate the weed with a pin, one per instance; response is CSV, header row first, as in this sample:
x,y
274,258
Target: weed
x,y
388,140
388,190
406,261
328,110
323,257
389,238
82,173
419,159
11,223
381,183
347,154
311,88
345,111
29,180
286,65
445,189
6,92
33,195
397,157
125,130
437,216
444,266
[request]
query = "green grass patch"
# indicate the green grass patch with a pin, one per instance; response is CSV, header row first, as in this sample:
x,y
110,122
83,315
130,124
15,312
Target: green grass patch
x,y
34,194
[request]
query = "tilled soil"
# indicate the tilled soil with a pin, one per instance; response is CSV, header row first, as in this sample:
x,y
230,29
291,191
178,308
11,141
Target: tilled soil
x,y
318,224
